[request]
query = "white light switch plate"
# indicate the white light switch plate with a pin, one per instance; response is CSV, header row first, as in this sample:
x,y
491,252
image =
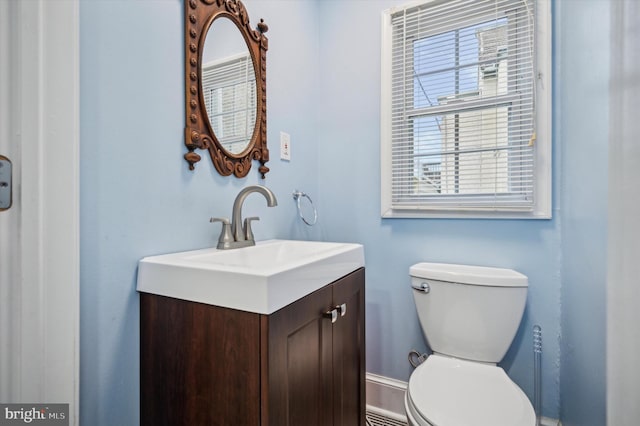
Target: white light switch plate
x,y
285,146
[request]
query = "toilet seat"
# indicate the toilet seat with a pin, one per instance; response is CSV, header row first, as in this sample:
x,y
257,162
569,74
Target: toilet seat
x,y
446,391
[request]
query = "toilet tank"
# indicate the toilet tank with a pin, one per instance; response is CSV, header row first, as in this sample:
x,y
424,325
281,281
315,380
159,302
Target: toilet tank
x,y
469,312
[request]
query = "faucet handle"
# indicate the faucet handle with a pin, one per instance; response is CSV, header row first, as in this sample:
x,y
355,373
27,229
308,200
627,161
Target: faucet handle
x,y
247,227
224,220
226,238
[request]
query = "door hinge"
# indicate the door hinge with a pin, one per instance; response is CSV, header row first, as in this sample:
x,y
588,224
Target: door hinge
x,y
5,183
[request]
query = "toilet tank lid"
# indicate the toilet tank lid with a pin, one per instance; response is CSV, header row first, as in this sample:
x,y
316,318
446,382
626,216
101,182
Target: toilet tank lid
x,y
467,274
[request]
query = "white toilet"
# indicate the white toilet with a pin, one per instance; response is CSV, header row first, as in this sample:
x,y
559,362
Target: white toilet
x,y
469,315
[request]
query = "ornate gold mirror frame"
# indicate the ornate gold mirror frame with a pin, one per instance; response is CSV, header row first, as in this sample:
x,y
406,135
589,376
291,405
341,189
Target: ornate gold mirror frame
x,y
199,15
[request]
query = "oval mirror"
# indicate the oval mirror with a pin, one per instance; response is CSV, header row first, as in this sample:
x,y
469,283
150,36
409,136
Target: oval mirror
x,y
229,86
225,86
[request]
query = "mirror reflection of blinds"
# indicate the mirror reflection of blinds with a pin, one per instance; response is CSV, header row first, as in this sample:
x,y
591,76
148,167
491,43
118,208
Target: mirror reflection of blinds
x,y
229,90
463,105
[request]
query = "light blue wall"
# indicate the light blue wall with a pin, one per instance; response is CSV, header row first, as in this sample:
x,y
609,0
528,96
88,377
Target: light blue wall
x,y
138,197
349,132
564,258
582,129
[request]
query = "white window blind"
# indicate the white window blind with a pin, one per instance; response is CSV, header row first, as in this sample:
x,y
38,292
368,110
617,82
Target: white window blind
x,y
462,106
229,89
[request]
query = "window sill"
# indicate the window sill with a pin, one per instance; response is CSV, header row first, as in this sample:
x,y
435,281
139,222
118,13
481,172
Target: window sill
x,y
460,214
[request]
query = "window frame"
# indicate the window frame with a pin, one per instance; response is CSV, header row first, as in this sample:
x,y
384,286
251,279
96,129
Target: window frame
x,y
542,206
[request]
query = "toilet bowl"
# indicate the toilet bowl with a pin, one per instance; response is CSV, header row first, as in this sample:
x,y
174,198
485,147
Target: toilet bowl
x,y
469,316
445,391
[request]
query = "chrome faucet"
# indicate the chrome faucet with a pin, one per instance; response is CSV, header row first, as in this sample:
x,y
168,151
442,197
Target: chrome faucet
x,y
234,234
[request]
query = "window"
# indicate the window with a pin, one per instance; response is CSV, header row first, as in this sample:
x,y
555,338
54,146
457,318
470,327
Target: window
x,y
465,110
229,89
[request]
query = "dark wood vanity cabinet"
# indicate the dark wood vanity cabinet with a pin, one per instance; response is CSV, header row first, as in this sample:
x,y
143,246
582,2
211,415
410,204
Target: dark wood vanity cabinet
x,y
303,365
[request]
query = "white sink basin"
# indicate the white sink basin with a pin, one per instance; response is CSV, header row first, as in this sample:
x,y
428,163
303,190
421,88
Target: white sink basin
x,y
262,278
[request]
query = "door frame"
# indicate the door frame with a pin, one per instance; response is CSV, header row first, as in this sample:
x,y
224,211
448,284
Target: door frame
x,y
623,296
45,360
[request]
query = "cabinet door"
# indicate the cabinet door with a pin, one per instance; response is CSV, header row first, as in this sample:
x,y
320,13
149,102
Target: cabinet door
x,y
300,356
349,352
199,364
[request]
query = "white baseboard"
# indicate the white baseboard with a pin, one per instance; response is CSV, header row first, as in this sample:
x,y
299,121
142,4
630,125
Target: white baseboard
x,y
385,396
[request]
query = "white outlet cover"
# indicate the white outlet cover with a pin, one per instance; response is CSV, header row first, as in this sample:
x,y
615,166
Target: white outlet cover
x,y
285,146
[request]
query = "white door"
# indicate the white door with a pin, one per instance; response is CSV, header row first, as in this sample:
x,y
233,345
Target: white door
x,y
39,255
8,218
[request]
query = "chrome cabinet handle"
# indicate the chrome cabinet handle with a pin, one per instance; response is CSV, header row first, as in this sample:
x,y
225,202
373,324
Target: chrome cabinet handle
x,y
333,314
342,309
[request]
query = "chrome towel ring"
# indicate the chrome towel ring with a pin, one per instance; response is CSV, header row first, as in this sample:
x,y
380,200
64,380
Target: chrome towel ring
x,y
298,195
